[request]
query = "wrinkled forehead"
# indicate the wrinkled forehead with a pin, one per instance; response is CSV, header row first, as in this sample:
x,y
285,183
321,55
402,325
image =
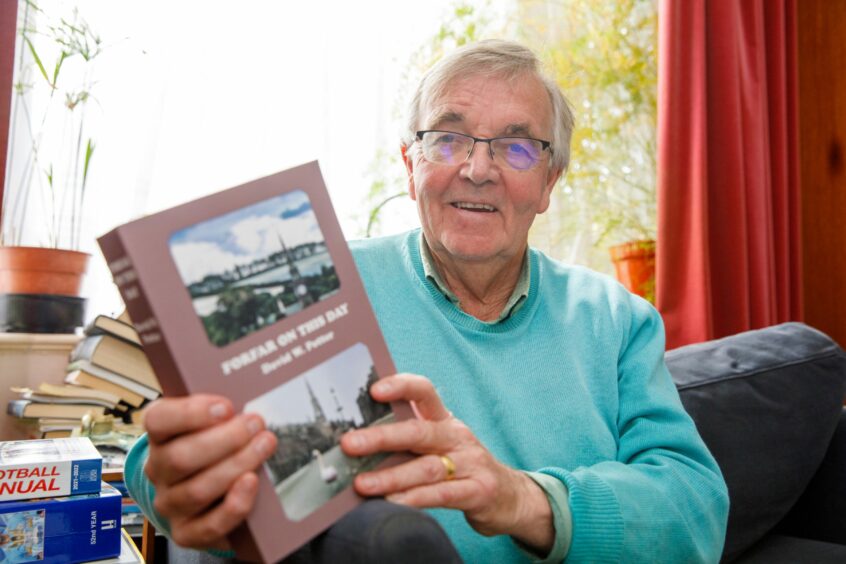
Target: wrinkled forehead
x,y
516,104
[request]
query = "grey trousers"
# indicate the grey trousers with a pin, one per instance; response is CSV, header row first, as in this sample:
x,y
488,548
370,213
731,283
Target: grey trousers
x,y
376,531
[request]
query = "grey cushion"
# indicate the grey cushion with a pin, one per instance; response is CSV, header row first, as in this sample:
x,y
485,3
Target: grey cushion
x,y
778,549
821,511
766,403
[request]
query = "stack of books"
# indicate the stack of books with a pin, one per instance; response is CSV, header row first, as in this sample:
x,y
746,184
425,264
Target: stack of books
x,y
108,374
53,505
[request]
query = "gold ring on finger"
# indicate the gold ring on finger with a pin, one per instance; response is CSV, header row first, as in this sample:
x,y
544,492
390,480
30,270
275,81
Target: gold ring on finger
x,y
449,467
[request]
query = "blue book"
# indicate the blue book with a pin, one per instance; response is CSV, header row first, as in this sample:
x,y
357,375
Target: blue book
x,y
49,468
61,529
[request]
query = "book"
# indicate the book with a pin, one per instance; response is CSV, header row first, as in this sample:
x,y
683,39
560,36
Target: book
x,y
69,391
82,379
48,468
33,396
45,425
105,325
26,408
129,553
114,377
252,293
57,434
117,355
35,428
77,528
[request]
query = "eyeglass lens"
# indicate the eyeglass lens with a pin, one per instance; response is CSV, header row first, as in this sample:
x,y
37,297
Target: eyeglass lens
x,y
454,148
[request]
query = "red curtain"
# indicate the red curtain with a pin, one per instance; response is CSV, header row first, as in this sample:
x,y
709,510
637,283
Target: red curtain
x,y
728,250
8,27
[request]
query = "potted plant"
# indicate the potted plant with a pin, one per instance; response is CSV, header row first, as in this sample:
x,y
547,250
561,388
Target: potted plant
x,y
605,58
51,150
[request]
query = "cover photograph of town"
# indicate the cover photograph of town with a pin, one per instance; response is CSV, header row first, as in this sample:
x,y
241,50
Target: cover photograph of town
x,y
254,266
309,414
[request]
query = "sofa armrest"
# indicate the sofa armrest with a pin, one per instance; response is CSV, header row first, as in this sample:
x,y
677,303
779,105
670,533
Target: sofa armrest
x,y
820,513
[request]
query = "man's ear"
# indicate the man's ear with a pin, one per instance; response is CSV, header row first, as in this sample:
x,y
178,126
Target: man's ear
x,y
552,177
409,168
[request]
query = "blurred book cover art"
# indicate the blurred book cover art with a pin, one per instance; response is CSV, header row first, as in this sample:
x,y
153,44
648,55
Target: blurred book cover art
x,y
75,528
253,293
22,536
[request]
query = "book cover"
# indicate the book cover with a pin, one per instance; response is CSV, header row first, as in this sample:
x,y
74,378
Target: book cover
x,y
252,293
82,379
109,375
38,397
65,390
105,325
129,553
77,528
27,408
117,355
48,468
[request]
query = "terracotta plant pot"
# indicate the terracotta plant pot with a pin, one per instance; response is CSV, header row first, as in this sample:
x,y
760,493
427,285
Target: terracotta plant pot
x,y
634,263
37,270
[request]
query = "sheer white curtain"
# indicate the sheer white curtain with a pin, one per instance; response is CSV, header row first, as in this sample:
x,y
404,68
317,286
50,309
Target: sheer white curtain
x,y
197,96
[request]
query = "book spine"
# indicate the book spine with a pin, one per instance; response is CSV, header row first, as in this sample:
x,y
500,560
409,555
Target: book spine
x,y
145,322
15,408
87,475
69,529
85,349
52,479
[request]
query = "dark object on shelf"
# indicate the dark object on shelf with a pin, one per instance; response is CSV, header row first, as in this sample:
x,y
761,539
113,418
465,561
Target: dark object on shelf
x,y
41,313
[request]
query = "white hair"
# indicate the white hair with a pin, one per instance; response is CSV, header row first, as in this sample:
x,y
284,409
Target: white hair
x,y
496,58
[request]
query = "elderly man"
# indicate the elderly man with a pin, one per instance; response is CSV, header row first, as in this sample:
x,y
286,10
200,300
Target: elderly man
x,y
545,414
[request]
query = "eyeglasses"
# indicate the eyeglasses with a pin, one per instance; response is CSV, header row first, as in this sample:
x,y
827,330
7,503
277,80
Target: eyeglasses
x,y
448,147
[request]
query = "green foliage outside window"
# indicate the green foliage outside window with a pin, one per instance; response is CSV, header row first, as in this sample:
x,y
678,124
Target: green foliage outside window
x,y
603,55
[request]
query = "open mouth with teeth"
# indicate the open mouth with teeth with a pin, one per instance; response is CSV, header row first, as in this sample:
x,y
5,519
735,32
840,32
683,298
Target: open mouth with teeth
x,y
484,208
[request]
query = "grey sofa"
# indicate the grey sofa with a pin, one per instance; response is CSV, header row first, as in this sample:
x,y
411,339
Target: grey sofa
x,y
769,405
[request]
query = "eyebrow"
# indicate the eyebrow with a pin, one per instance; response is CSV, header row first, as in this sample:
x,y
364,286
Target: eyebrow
x,y
518,129
448,117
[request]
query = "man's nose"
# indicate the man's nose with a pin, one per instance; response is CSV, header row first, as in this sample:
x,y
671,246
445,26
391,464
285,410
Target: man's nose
x,y
479,167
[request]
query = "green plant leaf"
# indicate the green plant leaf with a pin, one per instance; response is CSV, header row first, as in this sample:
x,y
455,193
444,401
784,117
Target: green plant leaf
x,y
38,61
61,60
89,151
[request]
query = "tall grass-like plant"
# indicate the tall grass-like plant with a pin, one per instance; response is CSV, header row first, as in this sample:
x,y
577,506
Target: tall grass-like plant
x,y
465,23
603,54
51,149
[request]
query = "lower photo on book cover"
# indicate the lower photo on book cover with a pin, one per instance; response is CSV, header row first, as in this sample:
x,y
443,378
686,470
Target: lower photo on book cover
x,y
309,414
252,267
22,536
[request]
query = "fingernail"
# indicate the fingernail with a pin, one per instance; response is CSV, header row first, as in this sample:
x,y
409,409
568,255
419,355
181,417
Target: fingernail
x,y
383,387
243,486
356,441
369,482
395,498
217,410
253,425
262,446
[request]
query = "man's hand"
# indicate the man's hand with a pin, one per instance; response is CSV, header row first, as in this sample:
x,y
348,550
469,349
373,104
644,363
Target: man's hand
x,y
495,498
202,462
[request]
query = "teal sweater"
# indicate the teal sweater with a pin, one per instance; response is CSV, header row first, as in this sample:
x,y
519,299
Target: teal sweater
x,y
572,385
